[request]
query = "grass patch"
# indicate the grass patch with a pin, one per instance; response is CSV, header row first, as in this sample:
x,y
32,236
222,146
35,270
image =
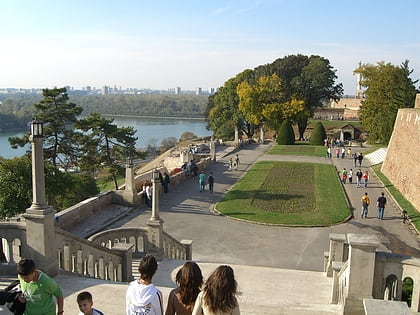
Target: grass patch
x,y
107,183
286,193
398,196
298,149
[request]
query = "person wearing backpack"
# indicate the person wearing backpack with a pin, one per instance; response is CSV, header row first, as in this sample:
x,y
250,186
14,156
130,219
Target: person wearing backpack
x,y
365,204
211,182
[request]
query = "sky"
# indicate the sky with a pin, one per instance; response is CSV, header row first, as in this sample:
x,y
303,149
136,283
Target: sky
x,y
160,44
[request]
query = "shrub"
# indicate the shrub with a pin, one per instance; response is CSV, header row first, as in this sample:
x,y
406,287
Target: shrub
x,y
286,134
318,134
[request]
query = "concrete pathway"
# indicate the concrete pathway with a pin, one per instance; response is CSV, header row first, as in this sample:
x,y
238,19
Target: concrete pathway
x,y
253,250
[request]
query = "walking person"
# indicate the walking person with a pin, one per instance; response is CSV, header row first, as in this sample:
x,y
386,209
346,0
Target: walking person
x,y
38,290
380,203
359,176
219,294
202,181
237,161
355,159
351,176
365,179
182,299
166,180
365,204
360,159
344,175
211,182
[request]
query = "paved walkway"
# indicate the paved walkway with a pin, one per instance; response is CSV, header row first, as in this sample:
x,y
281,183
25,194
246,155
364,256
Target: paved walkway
x,y
188,215
251,249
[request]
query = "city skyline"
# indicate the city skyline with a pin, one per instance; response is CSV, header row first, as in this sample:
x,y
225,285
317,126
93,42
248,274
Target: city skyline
x,y
162,45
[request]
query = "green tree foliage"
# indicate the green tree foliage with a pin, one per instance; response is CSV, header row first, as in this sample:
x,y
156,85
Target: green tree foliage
x,y
307,78
265,103
57,114
15,186
223,114
62,189
318,134
105,143
388,88
310,79
286,135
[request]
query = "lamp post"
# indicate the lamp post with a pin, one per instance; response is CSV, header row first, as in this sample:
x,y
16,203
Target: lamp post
x,y
39,217
38,179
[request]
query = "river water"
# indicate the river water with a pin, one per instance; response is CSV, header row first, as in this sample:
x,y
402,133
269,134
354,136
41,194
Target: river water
x,y
149,131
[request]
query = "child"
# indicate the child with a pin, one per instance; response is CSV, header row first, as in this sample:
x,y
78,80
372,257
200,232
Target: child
x,y
85,302
142,296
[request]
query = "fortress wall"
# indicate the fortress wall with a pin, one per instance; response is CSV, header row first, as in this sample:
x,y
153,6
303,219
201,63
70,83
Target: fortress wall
x,y
402,163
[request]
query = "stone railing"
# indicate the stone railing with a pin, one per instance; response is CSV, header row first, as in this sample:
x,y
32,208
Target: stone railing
x,y
138,238
360,273
74,254
174,249
88,259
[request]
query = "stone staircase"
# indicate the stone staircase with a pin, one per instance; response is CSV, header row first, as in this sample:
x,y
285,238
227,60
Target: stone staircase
x,y
376,157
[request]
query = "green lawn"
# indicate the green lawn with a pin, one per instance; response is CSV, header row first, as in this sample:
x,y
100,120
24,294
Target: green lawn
x,y
299,148
404,203
286,193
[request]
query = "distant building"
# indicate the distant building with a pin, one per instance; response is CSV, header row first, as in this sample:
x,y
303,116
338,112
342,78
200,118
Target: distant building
x,y
198,91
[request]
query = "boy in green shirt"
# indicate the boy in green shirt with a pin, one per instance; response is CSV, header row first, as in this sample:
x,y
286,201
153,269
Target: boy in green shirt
x,y
38,290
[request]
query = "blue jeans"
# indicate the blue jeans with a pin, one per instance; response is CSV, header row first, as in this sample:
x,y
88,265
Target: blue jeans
x,y
364,211
381,212
202,186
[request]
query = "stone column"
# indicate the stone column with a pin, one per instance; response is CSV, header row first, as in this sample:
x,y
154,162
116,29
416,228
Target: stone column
x,y
361,261
213,150
40,230
155,223
130,192
262,134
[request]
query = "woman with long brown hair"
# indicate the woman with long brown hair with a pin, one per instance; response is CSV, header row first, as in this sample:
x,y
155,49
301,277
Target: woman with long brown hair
x,y
219,294
189,280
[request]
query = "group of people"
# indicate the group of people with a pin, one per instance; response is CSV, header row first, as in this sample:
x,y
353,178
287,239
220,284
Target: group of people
x,y
202,181
233,163
36,292
380,204
193,295
360,177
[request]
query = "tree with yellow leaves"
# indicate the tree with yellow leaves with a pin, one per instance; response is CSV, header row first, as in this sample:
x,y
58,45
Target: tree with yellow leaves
x,y
265,102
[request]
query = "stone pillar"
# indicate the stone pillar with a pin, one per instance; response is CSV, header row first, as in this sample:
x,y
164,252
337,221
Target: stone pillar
x,y
40,230
213,150
130,192
126,269
155,223
262,134
361,261
336,252
188,248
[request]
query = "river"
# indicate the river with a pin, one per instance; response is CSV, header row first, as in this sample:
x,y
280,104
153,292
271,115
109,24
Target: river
x,y
149,131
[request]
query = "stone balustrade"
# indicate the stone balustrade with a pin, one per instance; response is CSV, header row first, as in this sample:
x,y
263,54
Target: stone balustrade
x,y
361,273
74,254
138,238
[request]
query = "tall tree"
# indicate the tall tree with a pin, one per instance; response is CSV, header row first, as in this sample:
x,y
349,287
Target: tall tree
x,y
265,103
58,114
223,114
311,79
105,142
388,88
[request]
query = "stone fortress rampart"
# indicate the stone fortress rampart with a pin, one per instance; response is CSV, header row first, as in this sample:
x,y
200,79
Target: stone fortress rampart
x,y
402,162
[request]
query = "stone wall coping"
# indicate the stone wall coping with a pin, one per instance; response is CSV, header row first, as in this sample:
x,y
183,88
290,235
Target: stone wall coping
x,y
338,237
186,242
365,240
384,307
337,265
